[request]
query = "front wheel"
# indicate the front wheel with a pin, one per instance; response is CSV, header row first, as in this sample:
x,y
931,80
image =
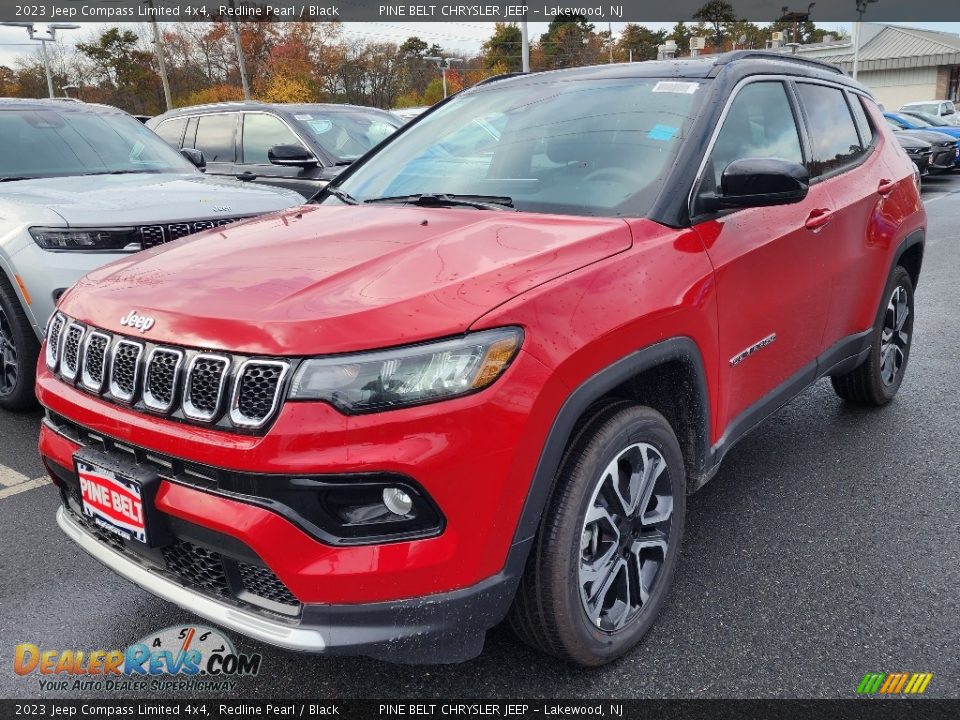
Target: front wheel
x,y
609,541
18,353
876,380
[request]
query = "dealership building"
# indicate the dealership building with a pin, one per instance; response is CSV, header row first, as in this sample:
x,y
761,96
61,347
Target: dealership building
x,y
899,64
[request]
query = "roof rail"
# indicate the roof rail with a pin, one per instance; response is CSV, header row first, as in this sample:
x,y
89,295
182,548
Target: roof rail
x,y
224,103
729,57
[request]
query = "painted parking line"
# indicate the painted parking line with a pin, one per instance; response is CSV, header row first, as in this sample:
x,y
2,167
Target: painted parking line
x,y
13,482
23,487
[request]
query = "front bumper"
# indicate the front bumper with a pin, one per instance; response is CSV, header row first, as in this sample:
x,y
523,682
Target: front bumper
x,y
443,628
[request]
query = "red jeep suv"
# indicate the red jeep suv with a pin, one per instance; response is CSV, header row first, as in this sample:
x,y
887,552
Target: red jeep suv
x,y
477,378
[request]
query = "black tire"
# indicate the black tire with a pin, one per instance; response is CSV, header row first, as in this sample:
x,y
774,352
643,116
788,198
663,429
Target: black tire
x,y
550,611
872,383
19,350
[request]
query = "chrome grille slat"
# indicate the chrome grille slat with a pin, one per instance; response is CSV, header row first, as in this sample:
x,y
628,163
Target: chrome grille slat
x,y
160,380
70,359
256,391
203,390
94,360
125,369
53,340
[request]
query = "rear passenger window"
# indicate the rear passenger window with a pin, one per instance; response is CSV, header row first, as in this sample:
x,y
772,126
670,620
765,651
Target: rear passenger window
x,y
215,137
172,131
833,135
759,124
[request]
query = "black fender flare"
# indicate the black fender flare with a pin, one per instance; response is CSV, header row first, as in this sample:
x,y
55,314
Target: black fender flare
x,y
586,394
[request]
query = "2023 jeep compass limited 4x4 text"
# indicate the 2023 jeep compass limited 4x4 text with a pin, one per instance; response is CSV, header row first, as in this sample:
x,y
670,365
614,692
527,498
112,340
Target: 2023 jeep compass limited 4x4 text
x,y
478,379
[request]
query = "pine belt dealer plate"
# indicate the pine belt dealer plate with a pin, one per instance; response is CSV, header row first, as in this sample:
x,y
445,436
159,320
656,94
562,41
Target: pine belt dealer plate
x,y
113,501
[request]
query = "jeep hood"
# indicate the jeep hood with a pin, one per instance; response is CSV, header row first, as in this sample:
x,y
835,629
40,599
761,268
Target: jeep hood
x,y
321,279
145,198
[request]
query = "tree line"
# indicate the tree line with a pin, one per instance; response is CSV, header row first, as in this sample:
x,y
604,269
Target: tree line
x,y
320,62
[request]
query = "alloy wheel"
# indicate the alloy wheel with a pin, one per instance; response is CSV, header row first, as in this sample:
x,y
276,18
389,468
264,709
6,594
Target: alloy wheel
x,y
9,365
895,337
625,537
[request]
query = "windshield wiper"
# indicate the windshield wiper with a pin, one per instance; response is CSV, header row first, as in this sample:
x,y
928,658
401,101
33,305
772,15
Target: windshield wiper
x,y
12,178
483,202
123,172
341,195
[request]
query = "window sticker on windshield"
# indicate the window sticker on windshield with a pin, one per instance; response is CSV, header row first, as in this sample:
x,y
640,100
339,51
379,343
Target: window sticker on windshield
x,y
304,117
663,132
674,86
320,126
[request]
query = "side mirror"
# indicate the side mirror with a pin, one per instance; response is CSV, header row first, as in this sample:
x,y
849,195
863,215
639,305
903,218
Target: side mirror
x,y
195,157
291,155
761,182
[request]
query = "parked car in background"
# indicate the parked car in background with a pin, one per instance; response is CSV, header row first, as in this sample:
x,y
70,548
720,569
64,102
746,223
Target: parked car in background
x,y
410,113
298,147
919,151
935,123
911,121
944,109
479,377
945,155
81,185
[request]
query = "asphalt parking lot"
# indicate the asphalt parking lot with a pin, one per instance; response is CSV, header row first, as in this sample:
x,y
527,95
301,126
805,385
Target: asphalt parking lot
x,y
827,547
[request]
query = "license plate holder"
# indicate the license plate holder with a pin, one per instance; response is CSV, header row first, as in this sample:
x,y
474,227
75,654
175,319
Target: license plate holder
x,y
119,497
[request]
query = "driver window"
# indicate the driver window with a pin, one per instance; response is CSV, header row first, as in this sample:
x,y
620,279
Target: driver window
x,y
262,132
759,124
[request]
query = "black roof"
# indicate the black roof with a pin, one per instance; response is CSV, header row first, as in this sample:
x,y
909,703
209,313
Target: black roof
x,y
741,62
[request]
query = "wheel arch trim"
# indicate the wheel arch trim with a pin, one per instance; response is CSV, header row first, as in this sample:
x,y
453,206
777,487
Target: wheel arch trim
x,y
588,392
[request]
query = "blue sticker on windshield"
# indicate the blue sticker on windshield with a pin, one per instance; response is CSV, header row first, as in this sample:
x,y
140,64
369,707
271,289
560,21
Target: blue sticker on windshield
x,y
663,132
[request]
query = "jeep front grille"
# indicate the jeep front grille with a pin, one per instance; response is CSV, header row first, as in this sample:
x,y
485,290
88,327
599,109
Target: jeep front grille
x,y
70,363
53,340
160,384
153,235
204,388
94,360
232,392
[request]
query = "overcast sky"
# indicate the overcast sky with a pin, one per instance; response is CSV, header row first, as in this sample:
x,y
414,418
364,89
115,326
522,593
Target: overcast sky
x,y
458,37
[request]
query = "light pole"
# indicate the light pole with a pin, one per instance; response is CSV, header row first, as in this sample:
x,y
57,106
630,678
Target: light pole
x,y
52,36
242,66
861,9
161,61
444,64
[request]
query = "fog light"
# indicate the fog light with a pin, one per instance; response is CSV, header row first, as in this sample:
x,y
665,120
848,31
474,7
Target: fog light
x,y
397,501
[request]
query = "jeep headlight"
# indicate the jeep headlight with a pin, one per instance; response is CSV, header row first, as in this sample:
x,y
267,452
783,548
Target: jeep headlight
x,y
400,377
114,239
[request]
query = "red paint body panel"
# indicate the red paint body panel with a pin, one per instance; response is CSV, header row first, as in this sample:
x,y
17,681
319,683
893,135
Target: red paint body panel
x,y
322,280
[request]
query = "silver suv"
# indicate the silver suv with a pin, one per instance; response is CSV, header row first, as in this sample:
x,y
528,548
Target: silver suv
x,y
81,185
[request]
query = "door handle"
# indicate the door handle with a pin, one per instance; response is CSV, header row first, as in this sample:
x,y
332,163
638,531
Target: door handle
x,y
818,218
886,187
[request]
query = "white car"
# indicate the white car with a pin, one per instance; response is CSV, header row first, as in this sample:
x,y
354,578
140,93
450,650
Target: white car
x,y
943,109
81,185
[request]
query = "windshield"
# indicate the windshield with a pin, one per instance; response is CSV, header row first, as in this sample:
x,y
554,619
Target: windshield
x,y
346,135
929,119
56,143
554,146
914,121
